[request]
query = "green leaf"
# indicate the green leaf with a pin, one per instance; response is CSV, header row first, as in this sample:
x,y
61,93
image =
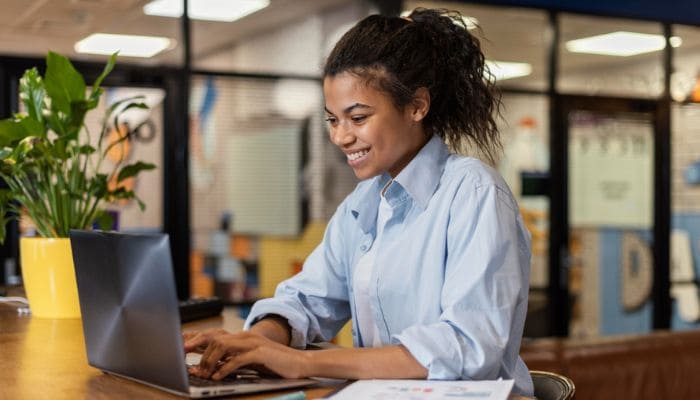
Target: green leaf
x,y
32,93
63,82
76,119
33,127
96,90
119,102
133,170
14,130
104,220
86,149
98,186
142,205
11,131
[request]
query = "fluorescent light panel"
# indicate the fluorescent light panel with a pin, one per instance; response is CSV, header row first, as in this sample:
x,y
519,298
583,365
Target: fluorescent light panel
x,y
621,43
209,10
126,45
503,70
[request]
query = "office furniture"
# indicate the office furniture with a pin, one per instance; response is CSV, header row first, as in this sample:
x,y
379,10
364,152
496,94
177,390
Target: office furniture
x,y
552,386
45,358
658,365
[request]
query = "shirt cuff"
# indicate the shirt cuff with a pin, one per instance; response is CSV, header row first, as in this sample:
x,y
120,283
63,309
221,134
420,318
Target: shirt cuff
x,y
436,350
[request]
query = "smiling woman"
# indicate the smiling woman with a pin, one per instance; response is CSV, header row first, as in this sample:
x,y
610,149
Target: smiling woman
x,y
369,129
442,227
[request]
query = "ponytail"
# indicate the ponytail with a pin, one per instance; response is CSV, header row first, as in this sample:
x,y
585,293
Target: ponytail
x,y
432,49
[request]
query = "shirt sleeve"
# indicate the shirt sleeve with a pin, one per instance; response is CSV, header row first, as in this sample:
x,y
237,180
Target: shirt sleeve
x,y
314,301
484,294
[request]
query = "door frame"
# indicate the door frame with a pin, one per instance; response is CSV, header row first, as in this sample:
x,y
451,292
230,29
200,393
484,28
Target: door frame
x,y
558,286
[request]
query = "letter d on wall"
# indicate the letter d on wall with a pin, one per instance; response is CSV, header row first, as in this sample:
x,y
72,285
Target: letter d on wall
x,y
636,272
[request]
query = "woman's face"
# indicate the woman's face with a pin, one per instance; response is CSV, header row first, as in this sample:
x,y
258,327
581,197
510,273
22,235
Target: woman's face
x,y
375,136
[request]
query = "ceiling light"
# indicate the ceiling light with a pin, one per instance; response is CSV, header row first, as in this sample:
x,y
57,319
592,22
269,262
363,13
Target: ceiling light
x,y
126,45
470,22
502,70
621,44
209,10
675,41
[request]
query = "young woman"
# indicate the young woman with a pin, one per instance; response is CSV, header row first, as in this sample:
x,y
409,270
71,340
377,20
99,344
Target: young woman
x,y
428,255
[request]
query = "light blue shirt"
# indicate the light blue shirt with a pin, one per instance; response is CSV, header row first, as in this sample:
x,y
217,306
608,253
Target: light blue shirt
x,y
451,276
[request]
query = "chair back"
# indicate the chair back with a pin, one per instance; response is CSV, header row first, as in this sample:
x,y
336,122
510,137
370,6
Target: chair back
x,y
552,386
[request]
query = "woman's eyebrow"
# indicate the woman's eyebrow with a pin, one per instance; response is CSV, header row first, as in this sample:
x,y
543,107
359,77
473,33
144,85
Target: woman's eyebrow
x,y
349,109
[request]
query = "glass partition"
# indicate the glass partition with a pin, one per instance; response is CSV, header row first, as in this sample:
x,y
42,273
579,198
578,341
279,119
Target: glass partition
x,y
610,259
251,168
685,216
685,180
525,167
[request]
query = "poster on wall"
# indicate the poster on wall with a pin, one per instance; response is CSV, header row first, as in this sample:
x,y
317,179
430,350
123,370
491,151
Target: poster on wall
x,y
144,130
611,174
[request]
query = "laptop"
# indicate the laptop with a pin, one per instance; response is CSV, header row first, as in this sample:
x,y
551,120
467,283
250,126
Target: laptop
x,y
131,320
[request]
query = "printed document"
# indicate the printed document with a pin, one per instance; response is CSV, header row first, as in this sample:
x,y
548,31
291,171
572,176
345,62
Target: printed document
x,y
425,389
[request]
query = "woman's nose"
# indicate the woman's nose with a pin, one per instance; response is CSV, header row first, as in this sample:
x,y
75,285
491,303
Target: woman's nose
x,y
341,136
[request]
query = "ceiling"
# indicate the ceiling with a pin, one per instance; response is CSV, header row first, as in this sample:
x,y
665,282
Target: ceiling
x,y
31,27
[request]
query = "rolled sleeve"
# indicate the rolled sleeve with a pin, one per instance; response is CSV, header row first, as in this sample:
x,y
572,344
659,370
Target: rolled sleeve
x,y
432,346
315,301
298,322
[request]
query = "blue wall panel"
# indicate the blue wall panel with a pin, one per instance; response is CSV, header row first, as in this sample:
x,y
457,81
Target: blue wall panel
x,y
691,224
614,320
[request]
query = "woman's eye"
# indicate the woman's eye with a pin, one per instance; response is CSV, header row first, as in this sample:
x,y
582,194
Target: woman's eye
x,y
331,120
359,118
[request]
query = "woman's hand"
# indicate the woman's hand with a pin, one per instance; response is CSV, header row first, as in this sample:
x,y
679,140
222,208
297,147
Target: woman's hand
x,y
197,341
224,352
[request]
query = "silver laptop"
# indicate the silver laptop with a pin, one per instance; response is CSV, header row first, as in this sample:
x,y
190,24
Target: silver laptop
x,y
131,318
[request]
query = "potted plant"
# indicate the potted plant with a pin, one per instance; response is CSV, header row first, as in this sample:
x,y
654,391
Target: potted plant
x,y
53,173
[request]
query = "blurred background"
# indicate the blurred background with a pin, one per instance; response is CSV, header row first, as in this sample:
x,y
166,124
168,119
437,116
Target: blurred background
x,y
600,124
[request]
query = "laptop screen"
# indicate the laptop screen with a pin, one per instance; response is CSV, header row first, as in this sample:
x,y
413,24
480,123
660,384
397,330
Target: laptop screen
x,y
129,306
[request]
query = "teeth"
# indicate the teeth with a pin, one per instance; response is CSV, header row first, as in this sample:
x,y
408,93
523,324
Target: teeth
x,y
355,156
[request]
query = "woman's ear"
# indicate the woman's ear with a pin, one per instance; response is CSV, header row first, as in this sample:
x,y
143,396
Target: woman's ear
x,y
421,104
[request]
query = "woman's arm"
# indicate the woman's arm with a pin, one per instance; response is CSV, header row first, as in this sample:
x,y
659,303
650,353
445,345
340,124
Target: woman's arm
x,y
275,328
225,352
389,362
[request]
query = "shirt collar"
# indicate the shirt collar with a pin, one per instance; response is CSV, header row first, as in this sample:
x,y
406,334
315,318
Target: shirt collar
x,y
418,179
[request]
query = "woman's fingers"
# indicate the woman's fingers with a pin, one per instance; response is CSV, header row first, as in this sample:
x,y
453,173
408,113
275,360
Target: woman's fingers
x,y
234,363
223,347
227,352
198,341
211,358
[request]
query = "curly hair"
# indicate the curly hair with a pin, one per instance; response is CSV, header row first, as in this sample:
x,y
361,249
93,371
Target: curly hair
x,y
431,48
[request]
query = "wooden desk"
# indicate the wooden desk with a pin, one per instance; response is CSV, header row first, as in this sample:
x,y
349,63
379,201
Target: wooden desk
x,y
45,359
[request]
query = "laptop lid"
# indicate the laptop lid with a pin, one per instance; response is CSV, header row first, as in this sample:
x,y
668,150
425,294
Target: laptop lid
x,y
131,320
129,306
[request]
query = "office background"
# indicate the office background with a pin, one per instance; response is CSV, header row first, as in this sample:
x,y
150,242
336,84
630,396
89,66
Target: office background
x,y
602,151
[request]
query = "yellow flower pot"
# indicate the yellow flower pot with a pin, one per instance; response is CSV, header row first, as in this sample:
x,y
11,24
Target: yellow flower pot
x,y
49,277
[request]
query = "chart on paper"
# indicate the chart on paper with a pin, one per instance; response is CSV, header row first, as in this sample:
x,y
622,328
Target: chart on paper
x,y
422,389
